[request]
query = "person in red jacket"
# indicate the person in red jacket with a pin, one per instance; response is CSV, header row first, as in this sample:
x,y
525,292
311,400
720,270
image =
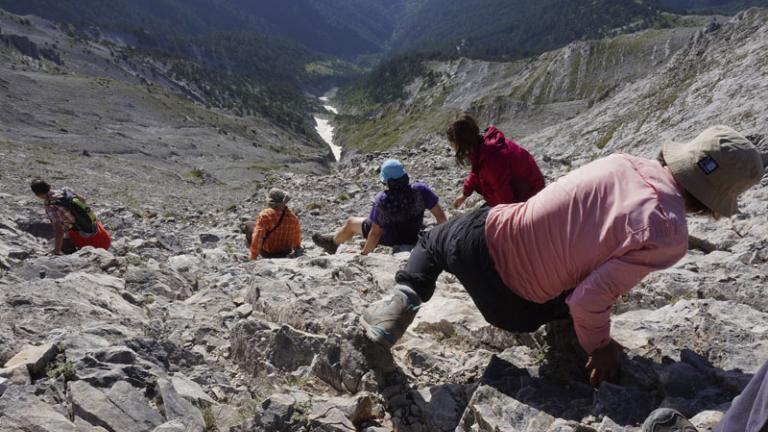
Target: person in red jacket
x,y
502,171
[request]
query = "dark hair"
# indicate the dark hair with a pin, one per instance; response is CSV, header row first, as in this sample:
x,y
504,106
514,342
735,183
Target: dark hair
x,y
40,187
692,204
464,133
398,183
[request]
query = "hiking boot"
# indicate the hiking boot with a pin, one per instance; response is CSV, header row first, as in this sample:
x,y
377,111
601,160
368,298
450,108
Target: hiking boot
x,y
386,321
667,420
326,242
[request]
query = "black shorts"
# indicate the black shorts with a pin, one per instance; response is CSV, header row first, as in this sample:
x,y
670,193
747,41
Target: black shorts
x,y
459,247
367,225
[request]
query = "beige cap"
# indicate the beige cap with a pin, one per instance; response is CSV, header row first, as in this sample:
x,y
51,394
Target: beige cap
x,y
276,197
716,167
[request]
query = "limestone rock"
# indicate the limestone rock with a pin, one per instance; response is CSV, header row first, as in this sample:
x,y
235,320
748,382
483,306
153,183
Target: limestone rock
x,y
171,426
707,420
121,408
29,414
34,359
284,348
176,407
190,390
489,409
284,412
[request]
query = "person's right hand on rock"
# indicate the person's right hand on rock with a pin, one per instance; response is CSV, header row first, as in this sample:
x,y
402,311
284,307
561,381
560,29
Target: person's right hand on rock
x,y
604,364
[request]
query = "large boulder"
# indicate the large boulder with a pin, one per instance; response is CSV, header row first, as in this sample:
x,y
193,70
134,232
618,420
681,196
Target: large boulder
x,y
121,408
28,414
32,359
492,410
729,334
177,408
257,346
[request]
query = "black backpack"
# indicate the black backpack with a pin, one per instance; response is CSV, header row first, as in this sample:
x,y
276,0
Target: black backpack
x,y
85,218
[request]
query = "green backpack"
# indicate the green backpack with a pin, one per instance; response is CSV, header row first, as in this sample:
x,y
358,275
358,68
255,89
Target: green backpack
x,y
85,218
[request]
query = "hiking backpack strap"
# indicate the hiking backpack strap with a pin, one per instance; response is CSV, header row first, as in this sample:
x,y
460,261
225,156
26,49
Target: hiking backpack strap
x,y
85,218
280,221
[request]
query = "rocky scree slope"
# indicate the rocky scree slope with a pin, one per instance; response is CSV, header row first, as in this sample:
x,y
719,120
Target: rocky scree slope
x,y
174,330
66,96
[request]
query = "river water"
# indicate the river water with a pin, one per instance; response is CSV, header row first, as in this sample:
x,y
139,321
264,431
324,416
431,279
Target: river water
x,y
325,129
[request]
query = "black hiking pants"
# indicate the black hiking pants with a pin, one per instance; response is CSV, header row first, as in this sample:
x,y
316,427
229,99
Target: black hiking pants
x,y
459,247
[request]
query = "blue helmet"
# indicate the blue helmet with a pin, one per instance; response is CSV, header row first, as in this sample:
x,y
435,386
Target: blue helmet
x,y
391,169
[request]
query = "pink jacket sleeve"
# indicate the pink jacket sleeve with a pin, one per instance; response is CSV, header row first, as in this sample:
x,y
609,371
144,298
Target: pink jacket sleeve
x,y
591,302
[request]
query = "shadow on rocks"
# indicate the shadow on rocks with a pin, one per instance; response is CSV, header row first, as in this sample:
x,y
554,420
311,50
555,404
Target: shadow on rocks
x,y
351,363
691,385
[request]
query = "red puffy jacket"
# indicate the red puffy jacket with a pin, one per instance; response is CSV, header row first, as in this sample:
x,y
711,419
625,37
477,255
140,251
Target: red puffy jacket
x,y
502,171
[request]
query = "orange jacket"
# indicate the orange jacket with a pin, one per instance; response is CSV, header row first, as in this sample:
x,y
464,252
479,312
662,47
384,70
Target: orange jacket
x,y
286,238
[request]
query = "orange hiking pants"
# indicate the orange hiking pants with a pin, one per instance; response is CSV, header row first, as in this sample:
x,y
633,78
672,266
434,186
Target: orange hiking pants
x,y
100,240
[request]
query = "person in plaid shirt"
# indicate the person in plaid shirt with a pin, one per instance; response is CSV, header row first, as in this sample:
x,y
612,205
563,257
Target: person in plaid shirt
x,y
64,222
276,233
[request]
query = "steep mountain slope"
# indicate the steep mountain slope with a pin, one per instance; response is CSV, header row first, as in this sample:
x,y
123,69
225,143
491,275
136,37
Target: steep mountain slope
x,y
719,6
625,93
514,29
529,94
717,78
63,96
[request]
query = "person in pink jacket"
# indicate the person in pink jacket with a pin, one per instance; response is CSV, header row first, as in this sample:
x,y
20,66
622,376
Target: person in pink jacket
x,y
578,245
502,171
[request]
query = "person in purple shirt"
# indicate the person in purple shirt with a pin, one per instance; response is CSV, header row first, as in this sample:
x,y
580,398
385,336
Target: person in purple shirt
x,y
396,218
748,412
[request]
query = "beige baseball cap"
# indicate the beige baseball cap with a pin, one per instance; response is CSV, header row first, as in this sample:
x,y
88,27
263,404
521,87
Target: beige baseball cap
x,y
276,197
716,167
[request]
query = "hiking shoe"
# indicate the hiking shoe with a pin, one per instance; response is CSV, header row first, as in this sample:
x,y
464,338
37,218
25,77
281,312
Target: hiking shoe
x,y
386,321
326,242
667,420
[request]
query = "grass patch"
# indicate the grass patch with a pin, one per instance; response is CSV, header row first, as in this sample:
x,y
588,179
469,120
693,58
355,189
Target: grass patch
x,y
301,413
314,206
296,381
248,410
607,136
196,173
65,369
209,419
263,166
682,296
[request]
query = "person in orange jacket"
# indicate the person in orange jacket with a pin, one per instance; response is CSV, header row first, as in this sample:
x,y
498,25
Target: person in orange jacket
x,y
276,233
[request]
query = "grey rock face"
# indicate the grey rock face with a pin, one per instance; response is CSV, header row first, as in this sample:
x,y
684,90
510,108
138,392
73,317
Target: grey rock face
x,y
33,359
284,412
21,411
120,408
490,409
171,426
176,407
283,348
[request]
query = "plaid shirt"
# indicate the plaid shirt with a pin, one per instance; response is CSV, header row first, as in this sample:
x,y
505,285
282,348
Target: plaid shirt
x,y
286,238
58,214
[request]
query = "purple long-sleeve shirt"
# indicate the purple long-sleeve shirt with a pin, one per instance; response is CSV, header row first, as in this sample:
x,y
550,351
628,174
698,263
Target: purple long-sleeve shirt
x,y
598,230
